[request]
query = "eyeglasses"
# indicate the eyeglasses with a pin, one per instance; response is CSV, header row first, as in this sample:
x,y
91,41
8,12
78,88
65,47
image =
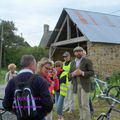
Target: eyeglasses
x,y
47,68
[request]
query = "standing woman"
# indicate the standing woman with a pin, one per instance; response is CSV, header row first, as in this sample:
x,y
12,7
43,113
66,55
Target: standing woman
x,y
11,73
44,67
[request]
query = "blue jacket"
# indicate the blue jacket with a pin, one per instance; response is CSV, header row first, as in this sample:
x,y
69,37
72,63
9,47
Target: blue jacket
x,y
40,90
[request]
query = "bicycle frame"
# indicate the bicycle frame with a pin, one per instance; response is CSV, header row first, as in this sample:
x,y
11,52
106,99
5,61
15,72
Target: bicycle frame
x,y
101,83
106,116
101,87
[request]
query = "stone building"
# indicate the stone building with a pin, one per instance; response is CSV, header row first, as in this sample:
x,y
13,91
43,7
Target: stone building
x,y
97,33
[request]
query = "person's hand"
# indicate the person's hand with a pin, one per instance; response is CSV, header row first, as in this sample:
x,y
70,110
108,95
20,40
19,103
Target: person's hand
x,y
78,72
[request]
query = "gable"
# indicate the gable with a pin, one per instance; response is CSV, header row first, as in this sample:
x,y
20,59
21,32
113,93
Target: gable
x,y
95,27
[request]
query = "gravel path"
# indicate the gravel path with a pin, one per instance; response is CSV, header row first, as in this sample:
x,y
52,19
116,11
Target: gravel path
x,y
6,115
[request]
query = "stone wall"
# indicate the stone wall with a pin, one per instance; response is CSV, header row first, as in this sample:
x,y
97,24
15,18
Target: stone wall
x,y
105,57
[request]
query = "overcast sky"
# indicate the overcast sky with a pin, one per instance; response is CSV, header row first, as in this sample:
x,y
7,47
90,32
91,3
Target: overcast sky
x,y
29,16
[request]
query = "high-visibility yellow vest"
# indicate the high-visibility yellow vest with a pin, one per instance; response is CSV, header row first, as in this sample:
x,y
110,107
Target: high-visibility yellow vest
x,y
64,86
53,91
66,67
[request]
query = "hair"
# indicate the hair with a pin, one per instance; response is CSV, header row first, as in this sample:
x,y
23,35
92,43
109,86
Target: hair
x,y
12,66
58,63
26,60
41,63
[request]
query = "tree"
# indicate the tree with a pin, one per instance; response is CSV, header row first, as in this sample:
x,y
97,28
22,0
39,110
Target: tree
x,y
14,55
11,40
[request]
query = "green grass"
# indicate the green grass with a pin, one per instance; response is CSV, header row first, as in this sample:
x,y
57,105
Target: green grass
x,y
100,106
114,79
2,76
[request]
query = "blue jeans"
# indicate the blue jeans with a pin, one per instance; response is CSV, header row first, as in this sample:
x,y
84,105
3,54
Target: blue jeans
x,y
59,101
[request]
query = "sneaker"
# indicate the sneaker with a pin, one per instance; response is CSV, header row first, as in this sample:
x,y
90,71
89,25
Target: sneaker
x,y
61,118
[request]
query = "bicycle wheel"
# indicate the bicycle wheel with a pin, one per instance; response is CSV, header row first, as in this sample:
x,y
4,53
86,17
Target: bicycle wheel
x,y
102,117
114,92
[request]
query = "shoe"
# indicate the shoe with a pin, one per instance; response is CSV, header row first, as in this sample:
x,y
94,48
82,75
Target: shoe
x,y
60,119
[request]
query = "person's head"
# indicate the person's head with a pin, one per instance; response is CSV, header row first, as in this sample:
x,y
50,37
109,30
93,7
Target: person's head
x,y
78,52
66,56
44,66
12,67
28,61
58,65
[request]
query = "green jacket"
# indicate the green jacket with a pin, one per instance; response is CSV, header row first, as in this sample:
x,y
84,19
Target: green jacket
x,y
86,66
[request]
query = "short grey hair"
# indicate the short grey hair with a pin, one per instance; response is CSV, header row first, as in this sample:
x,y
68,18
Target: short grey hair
x,y
26,60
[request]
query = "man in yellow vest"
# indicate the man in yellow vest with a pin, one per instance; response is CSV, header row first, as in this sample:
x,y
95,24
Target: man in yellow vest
x,y
69,101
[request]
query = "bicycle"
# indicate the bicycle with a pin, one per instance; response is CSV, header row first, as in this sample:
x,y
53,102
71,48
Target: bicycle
x,y
100,88
114,92
106,116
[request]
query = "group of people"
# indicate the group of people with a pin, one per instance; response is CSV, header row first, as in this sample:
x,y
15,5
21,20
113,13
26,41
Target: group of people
x,y
56,82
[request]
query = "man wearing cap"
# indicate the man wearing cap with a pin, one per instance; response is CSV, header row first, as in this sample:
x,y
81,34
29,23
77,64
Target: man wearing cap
x,y
68,102
81,71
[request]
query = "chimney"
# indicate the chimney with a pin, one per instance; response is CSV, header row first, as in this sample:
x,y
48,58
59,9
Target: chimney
x,y
46,28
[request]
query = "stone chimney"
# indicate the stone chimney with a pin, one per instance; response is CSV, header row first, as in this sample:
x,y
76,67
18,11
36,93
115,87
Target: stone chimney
x,y
46,28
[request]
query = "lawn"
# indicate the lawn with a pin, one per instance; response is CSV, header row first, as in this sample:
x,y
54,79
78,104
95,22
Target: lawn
x,y
100,106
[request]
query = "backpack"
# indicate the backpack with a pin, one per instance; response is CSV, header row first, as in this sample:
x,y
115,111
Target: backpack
x,y
24,104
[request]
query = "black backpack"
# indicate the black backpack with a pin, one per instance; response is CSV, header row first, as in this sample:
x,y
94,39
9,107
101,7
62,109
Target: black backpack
x,y
24,104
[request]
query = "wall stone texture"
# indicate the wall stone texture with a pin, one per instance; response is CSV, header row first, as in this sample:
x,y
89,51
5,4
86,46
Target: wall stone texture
x,y
105,58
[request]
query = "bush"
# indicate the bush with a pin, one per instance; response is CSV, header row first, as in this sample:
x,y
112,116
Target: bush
x,y
2,76
114,79
14,55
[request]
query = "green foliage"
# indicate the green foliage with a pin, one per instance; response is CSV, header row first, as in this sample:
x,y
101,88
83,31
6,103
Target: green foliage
x,y
114,79
10,39
2,76
14,55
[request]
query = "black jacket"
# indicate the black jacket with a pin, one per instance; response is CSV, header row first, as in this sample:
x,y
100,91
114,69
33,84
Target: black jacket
x,y
40,90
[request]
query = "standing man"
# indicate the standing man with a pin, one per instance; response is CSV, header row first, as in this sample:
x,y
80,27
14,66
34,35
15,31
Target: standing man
x,y
68,102
80,72
38,85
